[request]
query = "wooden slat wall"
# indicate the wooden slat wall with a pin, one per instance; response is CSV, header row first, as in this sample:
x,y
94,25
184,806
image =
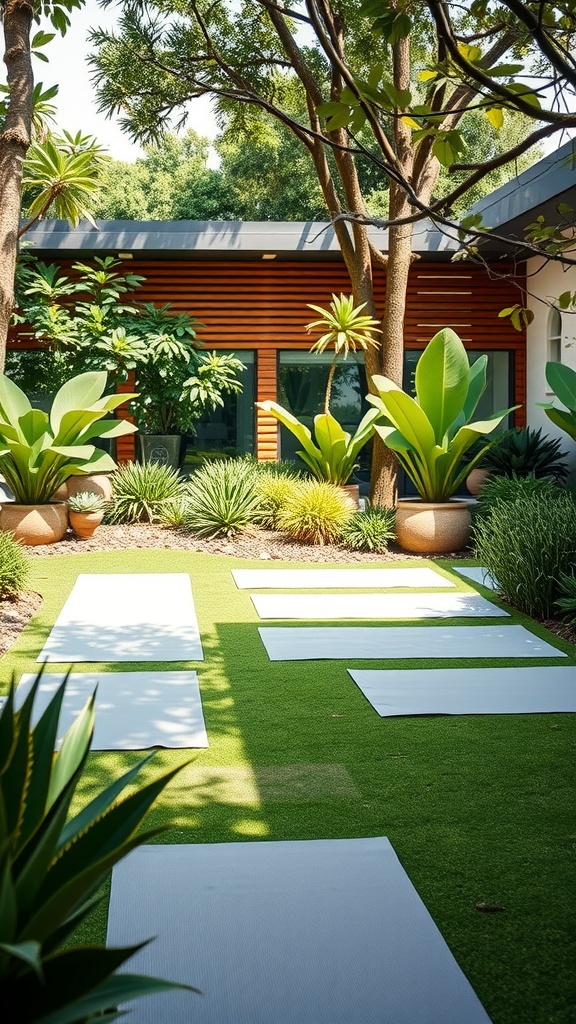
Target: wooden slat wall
x,y
264,306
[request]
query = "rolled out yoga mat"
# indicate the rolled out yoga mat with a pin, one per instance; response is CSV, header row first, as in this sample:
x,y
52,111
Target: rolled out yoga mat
x,y
478,574
134,710
374,606
126,617
327,931
300,643
337,579
469,691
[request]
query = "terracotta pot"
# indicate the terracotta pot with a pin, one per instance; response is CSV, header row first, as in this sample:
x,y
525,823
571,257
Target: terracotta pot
x,y
95,483
85,523
35,524
476,480
353,492
432,527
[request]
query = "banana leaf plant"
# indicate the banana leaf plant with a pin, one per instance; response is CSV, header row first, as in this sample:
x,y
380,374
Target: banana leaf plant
x,y
39,451
562,381
332,454
53,864
432,432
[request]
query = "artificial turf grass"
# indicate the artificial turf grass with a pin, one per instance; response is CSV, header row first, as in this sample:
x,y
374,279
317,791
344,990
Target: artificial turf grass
x,y
479,808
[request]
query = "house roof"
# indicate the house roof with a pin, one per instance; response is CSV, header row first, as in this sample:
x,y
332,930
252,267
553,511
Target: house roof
x,y
240,240
539,190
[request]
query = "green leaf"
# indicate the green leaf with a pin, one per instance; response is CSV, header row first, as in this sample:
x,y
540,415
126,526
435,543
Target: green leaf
x,y
562,381
442,380
496,117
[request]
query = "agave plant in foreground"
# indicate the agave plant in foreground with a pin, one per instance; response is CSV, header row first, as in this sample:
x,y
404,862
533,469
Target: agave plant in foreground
x,y
52,865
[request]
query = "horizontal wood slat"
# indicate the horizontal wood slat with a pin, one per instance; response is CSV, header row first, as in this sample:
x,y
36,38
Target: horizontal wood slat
x,y
264,307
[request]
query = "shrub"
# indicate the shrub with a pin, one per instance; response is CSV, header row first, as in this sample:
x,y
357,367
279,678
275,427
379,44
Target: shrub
x,y
221,498
316,513
524,451
141,490
274,490
370,530
567,599
525,542
14,566
510,488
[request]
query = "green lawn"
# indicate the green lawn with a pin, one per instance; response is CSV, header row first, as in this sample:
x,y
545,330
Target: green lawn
x,y
479,809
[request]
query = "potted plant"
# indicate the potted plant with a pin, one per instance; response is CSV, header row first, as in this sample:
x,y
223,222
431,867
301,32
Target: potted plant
x,y
430,435
176,384
85,512
332,454
39,451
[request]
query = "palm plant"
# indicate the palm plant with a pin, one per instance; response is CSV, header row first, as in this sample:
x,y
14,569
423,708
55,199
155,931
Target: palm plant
x,y
346,329
61,176
52,866
332,455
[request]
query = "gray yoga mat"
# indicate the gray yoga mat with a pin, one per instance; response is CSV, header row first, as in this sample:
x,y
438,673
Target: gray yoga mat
x,y
337,579
469,691
328,931
478,574
374,606
134,710
126,617
301,643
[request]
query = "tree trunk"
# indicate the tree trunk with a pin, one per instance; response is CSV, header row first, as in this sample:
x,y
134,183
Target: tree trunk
x,y
14,142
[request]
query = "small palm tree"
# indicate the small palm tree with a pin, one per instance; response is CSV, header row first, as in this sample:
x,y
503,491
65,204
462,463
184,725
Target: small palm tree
x,y
61,177
346,329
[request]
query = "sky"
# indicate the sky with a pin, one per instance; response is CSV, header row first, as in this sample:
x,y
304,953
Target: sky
x,y
76,106
75,101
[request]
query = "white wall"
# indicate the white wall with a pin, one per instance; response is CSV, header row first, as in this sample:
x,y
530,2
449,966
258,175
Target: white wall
x,y
548,284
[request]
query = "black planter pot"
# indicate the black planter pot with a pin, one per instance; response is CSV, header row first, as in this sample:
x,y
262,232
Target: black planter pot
x,y
161,448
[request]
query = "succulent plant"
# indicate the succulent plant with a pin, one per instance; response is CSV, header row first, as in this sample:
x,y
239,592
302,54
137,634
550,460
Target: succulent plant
x,y
53,864
525,451
87,501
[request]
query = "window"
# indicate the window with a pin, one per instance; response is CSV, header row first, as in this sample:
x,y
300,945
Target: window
x,y
229,429
554,336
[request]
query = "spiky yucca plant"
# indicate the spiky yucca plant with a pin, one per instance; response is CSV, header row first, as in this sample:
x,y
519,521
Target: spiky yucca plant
x,y
52,865
221,498
141,490
525,451
316,513
14,566
370,530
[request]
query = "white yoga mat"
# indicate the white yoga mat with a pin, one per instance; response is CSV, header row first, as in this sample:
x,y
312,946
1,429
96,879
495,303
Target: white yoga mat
x,y
328,931
295,643
478,574
336,579
469,691
134,710
374,606
126,617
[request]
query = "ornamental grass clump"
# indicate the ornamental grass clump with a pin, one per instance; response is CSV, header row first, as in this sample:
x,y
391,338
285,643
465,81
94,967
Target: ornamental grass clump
x,y
274,490
370,530
316,513
14,566
141,490
526,542
221,498
567,600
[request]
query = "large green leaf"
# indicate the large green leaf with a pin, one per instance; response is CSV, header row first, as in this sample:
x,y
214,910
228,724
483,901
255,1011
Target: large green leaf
x,y
78,393
301,432
405,415
476,386
442,376
563,419
13,401
562,380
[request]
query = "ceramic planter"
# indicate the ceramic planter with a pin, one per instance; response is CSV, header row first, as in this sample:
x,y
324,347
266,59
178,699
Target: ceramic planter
x,y
425,527
85,523
353,492
95,483
476,480
35,524
161,448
